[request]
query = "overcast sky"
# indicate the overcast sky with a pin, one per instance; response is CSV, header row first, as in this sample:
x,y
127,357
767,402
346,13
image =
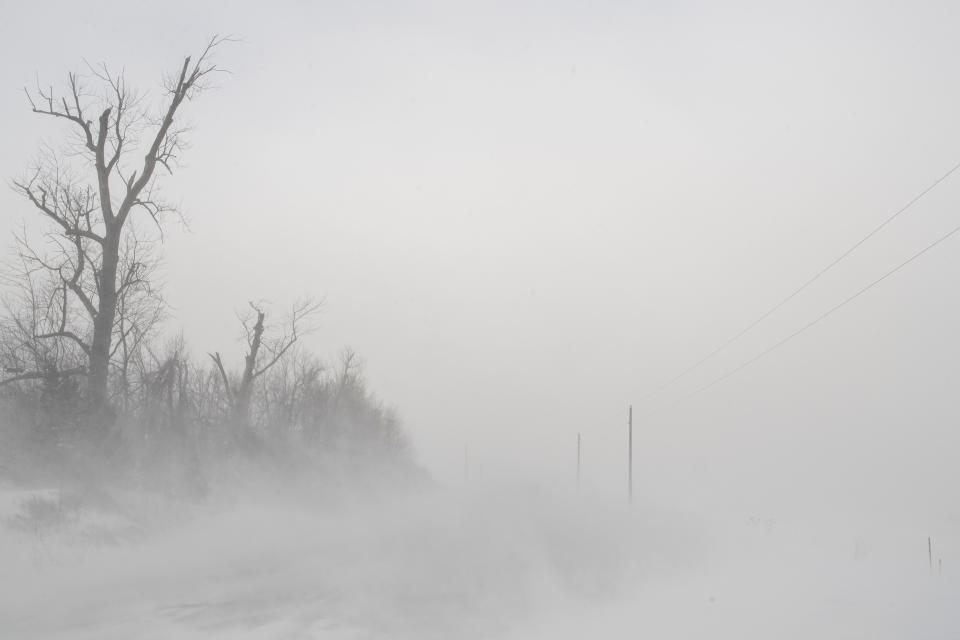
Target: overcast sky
x,y
525,216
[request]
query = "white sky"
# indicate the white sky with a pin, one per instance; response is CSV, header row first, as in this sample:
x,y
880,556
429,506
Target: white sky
x,y
526,215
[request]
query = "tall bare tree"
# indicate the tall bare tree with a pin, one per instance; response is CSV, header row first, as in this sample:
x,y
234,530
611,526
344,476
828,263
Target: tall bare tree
x,y
266,346
92,193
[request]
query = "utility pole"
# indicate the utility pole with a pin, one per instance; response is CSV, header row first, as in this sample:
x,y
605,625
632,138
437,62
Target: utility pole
x,y
630,455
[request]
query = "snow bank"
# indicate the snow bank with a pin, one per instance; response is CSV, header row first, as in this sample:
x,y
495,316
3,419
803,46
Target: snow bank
x,y
504,563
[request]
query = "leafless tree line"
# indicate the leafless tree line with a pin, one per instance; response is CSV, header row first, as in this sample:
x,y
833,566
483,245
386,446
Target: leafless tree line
x,y
82,311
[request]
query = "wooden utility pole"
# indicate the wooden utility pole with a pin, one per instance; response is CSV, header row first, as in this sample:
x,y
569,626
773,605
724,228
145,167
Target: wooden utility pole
x,y
630,455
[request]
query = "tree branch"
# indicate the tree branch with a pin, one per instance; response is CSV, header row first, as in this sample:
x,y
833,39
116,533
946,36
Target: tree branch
x,y
215,356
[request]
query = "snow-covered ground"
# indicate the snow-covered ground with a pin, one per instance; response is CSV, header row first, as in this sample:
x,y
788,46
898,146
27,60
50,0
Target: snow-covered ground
x,y
504,563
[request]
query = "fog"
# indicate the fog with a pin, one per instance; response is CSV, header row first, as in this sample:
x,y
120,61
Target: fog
x,y
510,561
524,218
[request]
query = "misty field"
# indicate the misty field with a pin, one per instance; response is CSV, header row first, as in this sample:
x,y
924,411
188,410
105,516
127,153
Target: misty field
x,y
502,562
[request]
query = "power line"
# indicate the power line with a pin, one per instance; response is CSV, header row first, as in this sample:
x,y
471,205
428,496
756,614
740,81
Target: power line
x,y
813,322
803,286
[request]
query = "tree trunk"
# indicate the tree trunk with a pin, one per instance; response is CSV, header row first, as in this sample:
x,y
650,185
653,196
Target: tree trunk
x,y
103,323
245,390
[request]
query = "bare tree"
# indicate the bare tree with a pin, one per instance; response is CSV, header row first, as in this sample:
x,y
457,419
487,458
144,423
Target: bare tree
x,y
266,346
31,314
91,195
45,329
295,376
140,309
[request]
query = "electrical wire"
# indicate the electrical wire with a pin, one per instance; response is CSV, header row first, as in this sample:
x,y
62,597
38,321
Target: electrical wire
x,y
801,288
809,325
